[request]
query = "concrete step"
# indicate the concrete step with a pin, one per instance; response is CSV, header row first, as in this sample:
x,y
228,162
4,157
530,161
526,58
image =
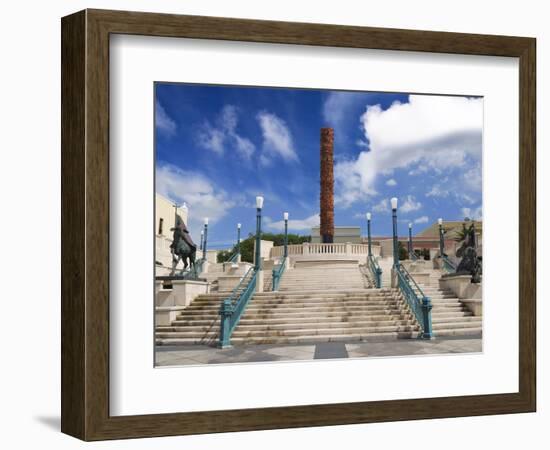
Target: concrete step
x,y
458,332
456,319
306,293
455,325
291,326
306,339
291,319
321,309
294,332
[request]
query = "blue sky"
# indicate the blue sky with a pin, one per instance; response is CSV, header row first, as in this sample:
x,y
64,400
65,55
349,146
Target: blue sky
x,y
217,147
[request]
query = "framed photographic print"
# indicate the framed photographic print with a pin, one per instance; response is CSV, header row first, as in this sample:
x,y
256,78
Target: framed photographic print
x,y
271,225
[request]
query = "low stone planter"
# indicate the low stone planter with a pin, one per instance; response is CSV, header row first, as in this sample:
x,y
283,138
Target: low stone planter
x,y
475,305
182,293
461,286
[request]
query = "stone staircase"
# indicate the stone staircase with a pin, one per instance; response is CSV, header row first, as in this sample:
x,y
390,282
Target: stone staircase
x,y
197,324
310,316
450,317
324,275
321,302
297,317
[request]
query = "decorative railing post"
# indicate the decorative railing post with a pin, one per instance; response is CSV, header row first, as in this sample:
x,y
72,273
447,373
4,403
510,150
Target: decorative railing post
x,y
441,238
368,234
395,239
258,258
285,216
238,240
427,315
205,238
226,311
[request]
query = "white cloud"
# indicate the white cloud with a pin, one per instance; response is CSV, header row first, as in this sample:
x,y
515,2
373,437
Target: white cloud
x,y
430,133
409,204
338,104
277,139
476,213
224,134
211,138
422,219
294,224
382,206
472,178
163,122
437,191
203,197
391,182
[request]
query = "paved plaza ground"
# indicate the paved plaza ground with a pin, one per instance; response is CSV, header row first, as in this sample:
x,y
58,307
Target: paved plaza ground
x,y
203,354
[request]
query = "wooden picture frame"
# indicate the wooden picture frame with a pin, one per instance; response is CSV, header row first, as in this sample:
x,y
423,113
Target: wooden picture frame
x,y
85,224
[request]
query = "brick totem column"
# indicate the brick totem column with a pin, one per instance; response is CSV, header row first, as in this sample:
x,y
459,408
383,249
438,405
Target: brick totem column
x,y
327,185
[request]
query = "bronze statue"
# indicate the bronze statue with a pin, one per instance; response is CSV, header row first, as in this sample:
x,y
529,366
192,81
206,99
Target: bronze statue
x,y
183,248
470,262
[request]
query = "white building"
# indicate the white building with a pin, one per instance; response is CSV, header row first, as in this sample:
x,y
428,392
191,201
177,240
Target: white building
x,y
341,235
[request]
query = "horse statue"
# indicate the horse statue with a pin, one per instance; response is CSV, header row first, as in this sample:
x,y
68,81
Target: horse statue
x,y
183,248
471,262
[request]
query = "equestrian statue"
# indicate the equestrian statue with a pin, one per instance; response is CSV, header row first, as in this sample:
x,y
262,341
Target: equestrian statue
x,y
470,263
183,248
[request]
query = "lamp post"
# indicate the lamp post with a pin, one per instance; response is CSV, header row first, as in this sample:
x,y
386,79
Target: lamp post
x,y
205,238
238,239
202,239
441,240
285,217
410,241
259,205
395,241
368,234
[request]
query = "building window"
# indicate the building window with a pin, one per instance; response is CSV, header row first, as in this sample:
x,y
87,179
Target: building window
x,y
161,222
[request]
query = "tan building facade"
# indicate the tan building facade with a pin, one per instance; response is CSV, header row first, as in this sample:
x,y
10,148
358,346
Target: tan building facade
x,y
341,235
165,218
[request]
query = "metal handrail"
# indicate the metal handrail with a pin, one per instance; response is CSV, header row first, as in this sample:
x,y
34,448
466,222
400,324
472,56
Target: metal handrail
x,y
234,257
277,274
375,270
448,266
418,302
233,306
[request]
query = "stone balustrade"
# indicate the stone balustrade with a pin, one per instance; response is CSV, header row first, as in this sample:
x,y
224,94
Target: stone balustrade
x,y
336,249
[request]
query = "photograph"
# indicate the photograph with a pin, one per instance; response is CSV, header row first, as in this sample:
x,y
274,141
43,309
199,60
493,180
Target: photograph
x,y
298,224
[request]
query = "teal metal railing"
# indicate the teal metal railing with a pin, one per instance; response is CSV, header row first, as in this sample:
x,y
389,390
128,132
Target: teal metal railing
x,y
447,265
233,306
375,270
420,305
277,274
234,257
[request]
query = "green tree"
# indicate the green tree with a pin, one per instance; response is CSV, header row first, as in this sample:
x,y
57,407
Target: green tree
x,y
247,245
224,255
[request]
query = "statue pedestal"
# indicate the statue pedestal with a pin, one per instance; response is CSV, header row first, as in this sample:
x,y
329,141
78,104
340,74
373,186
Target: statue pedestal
x,y
170,301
